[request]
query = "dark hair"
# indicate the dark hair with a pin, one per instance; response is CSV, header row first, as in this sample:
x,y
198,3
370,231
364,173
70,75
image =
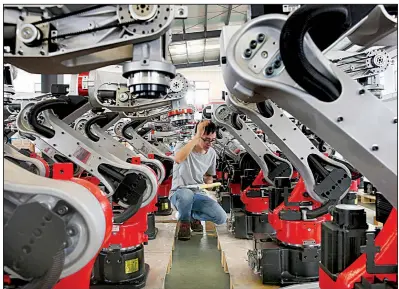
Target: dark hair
x,y
210,128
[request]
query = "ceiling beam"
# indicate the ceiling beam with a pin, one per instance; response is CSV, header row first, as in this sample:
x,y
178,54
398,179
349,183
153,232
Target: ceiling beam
x,y
170,55
206,21
197,64
227,21
205,31
184,39
196,35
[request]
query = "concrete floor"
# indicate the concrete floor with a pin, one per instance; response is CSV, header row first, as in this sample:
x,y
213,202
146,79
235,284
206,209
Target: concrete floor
x,y
196,265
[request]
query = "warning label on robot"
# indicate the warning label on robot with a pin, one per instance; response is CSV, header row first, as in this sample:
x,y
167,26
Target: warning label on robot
x,y
165,206
131,266
82,154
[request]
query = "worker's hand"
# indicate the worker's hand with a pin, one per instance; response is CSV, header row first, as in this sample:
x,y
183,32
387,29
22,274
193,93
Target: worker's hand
x,y
201,128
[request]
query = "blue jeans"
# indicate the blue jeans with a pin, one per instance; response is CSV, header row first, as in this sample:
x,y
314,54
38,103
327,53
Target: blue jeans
x,y
197,206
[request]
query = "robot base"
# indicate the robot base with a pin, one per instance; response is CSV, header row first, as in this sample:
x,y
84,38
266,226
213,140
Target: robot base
x,y
164,207
138,283
285,265
365,284
152,231
225,201
120,268
246,224
236,202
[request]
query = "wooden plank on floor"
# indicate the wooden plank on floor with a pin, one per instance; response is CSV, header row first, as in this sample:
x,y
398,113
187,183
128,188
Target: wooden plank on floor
x,y
166,219
376,223
164,242
210,228
158,254
365,198
235,261
159,266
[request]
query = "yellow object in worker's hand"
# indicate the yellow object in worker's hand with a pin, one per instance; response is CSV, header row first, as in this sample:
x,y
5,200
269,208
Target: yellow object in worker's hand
x,y
210,186
204,186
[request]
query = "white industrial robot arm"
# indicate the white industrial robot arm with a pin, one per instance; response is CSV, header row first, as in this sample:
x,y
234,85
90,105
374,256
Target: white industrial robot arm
x,y
84,39
109,169
271,165
305,157
108,143
88,38
126,131
226,144
69,211
12,154
254,71
109,89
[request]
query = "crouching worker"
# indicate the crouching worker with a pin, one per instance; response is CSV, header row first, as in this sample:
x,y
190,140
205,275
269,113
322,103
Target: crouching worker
x,y
195,164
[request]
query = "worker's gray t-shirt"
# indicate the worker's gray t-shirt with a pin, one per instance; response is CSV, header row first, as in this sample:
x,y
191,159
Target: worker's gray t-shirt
x,y
192,170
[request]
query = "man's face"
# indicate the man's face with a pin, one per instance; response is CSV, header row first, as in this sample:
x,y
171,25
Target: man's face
x,y
207,140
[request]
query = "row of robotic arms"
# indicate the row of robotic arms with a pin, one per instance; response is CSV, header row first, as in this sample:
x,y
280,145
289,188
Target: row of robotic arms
x,y
106,154
86,225
282,182
79,215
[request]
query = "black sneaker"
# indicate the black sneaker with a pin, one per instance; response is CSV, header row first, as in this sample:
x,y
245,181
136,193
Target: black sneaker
x,y
196,225
184,231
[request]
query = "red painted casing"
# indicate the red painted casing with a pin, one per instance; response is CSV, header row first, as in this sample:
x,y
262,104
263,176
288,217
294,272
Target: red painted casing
x,y
256,205
82,91
235,188
219,175
92,180
152,206
46,165
81,279
295,175
62,171
387,240
296,232
353,187
132,232
226,176
164,188
136,161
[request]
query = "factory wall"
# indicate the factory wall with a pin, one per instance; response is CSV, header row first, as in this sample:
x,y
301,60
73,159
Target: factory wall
x,y
213,74
26,82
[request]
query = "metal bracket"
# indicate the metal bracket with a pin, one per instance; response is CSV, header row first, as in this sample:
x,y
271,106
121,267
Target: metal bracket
x,y
371,250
